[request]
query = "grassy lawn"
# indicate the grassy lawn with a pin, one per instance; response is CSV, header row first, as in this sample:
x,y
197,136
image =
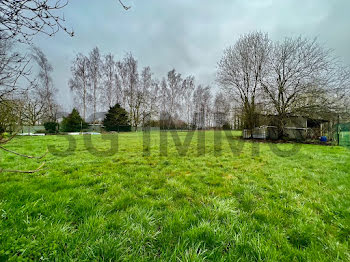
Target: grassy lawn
x,y
247,205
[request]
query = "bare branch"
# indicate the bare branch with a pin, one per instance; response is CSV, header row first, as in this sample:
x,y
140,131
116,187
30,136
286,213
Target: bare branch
x,y
5,141
24,19
23,171
22,155
124,6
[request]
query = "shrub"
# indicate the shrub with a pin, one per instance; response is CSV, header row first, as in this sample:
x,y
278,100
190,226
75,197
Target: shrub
x,y
226,126
51,127
42,131
117,119
4,135
73,122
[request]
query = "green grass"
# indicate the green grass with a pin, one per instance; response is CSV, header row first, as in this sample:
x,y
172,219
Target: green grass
x,y
131,207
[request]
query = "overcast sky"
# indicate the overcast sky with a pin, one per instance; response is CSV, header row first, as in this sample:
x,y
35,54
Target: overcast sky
x,y
188,35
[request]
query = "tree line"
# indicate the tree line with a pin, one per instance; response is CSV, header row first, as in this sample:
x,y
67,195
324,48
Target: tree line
x,y
295,76
100,81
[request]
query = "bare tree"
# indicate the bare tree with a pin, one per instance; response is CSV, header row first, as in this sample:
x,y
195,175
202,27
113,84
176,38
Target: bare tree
x,y
32,109
13,68
13,72
240,70
79,83
202,107
221,104
128,73
149,89
154,99
188,87
95,67
45,89
175,99
328,100
174,85
163,98
118,89
10,116
302,78
221,109
111,87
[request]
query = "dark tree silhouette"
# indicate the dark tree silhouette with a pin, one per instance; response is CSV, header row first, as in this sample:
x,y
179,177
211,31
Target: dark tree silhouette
x,y
73,122
116,119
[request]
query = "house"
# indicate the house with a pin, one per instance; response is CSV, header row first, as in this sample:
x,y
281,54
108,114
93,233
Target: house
x,y
99,117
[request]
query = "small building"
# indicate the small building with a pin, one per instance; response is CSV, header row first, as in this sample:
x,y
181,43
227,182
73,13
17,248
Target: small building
x,y
296,128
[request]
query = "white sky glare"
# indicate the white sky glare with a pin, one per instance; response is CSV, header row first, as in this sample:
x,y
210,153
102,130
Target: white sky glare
x,y
187,35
